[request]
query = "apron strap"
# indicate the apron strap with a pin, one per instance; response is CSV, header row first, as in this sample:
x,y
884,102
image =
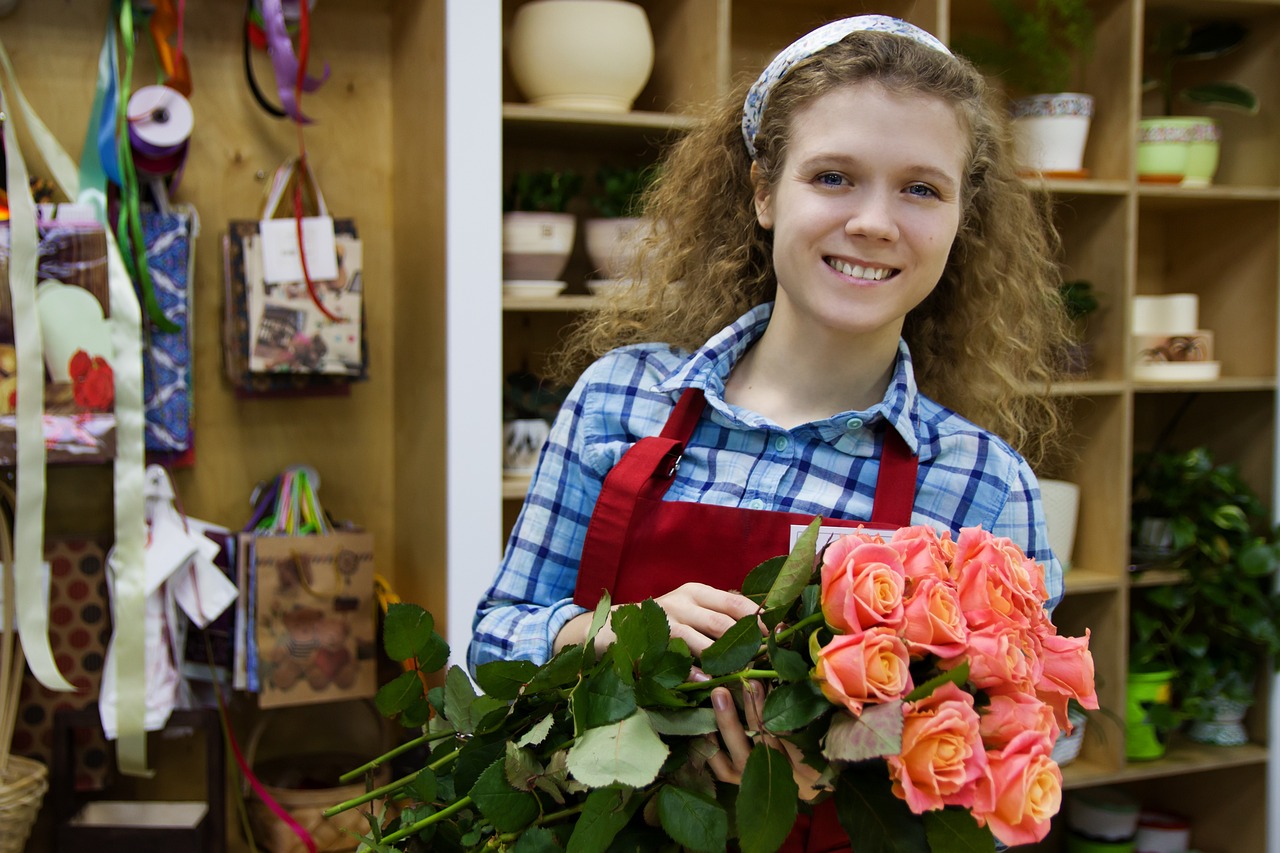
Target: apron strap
x,y
896,482
646,470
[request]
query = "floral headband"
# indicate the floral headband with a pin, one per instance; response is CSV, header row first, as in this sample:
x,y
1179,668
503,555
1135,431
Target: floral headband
x,y
806,46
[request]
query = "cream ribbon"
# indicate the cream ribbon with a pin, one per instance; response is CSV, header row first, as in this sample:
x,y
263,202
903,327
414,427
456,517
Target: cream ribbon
x,y
128,603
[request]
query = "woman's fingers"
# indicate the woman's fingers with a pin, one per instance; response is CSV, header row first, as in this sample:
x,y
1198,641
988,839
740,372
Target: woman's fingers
x,y
732,733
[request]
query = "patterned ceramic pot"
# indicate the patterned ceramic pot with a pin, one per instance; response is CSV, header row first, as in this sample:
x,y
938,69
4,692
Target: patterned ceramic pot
x,y
1178,150
1227,726
536,246
1050,131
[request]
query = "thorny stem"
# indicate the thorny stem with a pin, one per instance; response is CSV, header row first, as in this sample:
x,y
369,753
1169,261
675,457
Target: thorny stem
x,y
742,675
413,829
545,820
369,796
803,623
387,756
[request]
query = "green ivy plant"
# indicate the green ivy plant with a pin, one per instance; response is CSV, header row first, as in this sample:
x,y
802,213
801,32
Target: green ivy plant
x,y
620,189
1219,627
1045,43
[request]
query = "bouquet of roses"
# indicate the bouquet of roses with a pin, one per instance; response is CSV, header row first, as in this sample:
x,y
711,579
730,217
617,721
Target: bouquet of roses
x,y
920,674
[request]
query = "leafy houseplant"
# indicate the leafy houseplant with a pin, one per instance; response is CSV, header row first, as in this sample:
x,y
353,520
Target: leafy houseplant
x,y
1218,627
1080,303
537,232
866,654
614,235
1047,41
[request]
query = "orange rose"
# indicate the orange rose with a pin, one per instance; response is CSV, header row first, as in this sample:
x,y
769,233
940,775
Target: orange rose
x,y
854,669
998,584
942,758
862,584
1067,673
1000,659
1010,714
1021,791
933,621
924,552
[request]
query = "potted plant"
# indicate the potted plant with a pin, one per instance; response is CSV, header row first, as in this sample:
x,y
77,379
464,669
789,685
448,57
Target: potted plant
x,y
537,230
529,405
1219,626
614,233
1178,148
1080,303
1039,60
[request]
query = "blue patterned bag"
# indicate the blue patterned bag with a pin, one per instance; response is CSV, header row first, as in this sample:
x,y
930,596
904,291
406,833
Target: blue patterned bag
x,y
166,378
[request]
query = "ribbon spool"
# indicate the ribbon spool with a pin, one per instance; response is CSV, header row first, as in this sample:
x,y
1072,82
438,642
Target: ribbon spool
x,y
160,124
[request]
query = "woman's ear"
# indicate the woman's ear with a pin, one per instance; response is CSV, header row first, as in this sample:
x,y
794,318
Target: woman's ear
x,y
763,198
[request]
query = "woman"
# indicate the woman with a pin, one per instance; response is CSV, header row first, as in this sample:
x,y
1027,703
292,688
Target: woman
x,y
842,312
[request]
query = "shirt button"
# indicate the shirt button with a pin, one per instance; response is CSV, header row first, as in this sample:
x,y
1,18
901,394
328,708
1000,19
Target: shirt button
x,y
756,504
780,443
854,424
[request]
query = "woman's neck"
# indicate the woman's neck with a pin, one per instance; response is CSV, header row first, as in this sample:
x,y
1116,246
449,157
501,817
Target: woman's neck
x,y
794,379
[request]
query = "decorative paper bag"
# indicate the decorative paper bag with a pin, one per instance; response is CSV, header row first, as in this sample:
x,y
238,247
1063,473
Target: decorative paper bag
x,y
72,301
315,618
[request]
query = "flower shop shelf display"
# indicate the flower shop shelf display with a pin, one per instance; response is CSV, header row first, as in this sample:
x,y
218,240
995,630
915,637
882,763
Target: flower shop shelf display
x,y
1126,236
888,665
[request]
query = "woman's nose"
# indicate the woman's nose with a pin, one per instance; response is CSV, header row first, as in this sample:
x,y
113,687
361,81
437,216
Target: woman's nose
x,y
872,216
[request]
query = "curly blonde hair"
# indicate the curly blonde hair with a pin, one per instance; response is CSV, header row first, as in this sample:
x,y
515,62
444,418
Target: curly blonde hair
x,y
987,342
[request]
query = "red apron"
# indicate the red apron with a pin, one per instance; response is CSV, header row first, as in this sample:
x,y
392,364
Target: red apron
x,y
639,546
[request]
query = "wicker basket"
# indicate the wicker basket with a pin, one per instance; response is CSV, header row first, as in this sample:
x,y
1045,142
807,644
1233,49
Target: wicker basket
x,y
294,782
22,787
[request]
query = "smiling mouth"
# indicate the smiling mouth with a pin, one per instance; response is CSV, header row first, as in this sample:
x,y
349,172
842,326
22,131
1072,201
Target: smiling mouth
x,y
868,273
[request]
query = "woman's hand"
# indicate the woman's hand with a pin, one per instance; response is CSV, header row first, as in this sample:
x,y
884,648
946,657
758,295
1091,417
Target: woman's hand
x,y
736,744
698,614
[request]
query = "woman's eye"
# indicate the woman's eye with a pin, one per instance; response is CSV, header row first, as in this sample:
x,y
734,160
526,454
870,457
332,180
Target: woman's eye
x,y
830,179
923,191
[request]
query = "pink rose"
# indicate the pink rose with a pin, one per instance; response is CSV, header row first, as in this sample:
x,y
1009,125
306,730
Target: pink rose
x,y
854,669
1021,791
1010,714
78,365
1067,673
942,758
933,622
998,583
1000,660
862,584
924,552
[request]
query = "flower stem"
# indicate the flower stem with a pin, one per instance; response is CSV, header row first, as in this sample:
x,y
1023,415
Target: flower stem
x,y
413,829
803,623
387,756
443,760
742,675
368,796
545,820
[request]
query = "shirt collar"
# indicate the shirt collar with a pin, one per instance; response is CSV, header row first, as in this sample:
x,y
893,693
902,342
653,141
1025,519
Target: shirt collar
x,y
709,366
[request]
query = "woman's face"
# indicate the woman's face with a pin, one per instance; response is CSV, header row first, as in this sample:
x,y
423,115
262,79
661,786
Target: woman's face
x,y
864,211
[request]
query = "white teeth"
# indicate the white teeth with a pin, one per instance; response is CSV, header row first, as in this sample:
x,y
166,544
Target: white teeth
x,y
870,273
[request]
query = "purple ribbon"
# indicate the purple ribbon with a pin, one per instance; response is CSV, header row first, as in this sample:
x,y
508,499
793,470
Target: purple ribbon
x,y
284,62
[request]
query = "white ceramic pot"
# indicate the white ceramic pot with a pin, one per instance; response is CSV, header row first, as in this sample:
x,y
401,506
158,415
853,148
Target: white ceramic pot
x,y
522,441
611,243
581,54
1061,502
536,246
1050,131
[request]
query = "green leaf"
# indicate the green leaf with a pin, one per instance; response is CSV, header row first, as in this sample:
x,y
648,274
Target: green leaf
x,y
875,734
598,618
606,811
417,714
958,675
797,569
692,819
424,786
477,754
538,733
790,665
760,580
521,767
434,654
685,722
954,830
734,649
406,628
505,807
628,752
459,695
560,671
793,706
642,629
502,679
767,801
536,840
671,667
398,693
870,812
604,698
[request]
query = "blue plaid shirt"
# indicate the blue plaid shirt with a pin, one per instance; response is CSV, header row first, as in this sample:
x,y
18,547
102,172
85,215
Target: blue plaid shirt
x,y
967,477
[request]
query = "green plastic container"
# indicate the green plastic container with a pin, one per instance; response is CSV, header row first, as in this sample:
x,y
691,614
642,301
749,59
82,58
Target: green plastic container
x,y
1142,742
1080,844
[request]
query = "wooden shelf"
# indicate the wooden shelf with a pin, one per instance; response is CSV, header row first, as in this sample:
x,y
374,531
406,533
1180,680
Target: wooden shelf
x,y
563,302
1183,757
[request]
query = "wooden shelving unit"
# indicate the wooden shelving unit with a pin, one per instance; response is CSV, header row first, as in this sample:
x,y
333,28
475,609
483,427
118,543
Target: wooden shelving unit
x,y
1221,242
